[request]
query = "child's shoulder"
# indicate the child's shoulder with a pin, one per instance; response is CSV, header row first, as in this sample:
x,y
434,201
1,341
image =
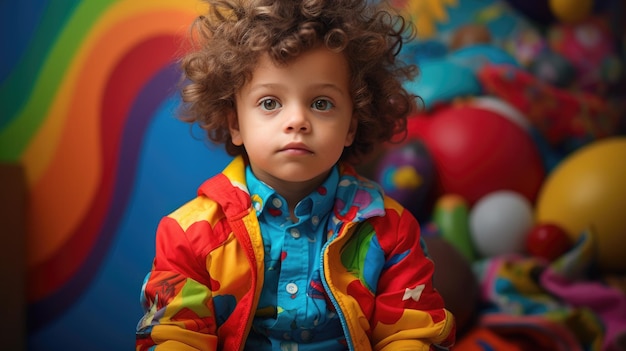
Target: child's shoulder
x,y
217,197
200,208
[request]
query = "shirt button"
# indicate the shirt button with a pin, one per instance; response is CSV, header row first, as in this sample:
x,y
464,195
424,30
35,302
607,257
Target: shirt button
x,y
291,288
295,233
315,220
277,203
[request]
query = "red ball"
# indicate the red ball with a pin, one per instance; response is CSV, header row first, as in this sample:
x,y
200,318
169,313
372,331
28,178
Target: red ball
x,y
477,151
548,241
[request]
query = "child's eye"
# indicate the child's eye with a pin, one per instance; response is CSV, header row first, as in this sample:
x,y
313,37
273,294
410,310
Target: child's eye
x,y
269,104
322,105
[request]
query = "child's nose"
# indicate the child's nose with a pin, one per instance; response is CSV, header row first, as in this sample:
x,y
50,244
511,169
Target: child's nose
x,y
298,120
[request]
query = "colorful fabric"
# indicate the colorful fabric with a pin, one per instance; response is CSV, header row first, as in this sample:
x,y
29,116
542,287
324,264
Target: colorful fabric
x,y
550,306
208,272
559,115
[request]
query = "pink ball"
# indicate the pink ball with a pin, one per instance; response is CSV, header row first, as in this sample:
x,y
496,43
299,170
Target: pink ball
x,y
477,151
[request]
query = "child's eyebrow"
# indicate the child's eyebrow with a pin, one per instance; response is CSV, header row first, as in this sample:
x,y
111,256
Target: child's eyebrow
x,y
331,86
284,87
267,86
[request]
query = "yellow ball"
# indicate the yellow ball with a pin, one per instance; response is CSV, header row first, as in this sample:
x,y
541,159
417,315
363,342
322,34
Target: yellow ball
x,y
587,190
570,11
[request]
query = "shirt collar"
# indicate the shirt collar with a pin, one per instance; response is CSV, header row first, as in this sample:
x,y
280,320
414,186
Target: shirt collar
x,y
317,203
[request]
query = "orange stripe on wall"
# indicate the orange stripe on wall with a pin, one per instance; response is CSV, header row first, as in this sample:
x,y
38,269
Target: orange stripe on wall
x,y
61,195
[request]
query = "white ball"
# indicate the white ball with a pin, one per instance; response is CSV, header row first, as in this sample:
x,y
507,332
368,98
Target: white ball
x,y
499,223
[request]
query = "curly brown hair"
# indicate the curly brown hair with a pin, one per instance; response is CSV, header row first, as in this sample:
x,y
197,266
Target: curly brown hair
x,y
227,41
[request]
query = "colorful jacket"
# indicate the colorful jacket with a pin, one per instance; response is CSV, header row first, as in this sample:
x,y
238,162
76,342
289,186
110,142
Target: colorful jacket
x,y
207,275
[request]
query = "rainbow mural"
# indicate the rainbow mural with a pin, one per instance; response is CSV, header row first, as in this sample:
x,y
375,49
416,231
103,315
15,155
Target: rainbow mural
x,y
88,90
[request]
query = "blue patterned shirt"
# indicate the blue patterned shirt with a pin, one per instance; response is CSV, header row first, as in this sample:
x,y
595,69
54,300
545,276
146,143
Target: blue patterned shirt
x,y
294,312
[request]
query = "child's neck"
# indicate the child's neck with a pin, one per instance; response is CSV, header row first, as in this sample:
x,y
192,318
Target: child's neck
x,y
294,196
293,193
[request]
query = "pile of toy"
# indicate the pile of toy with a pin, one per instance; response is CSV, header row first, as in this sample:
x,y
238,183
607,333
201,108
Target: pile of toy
x,y
516,167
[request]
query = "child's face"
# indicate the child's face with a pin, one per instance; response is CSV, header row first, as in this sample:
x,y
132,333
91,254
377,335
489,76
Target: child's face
x,y
295,120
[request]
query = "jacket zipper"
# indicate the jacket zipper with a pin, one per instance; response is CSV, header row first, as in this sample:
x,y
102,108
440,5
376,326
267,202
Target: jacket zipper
x,y
342,317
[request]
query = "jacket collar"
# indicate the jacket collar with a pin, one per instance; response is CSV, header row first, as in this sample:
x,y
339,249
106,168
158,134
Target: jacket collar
x,y
357,198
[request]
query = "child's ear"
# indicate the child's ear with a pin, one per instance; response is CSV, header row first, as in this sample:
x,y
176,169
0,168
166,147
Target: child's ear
x,y
233,127
354,123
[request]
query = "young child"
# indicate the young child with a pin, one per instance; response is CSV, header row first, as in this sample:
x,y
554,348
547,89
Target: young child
x,y
289,248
